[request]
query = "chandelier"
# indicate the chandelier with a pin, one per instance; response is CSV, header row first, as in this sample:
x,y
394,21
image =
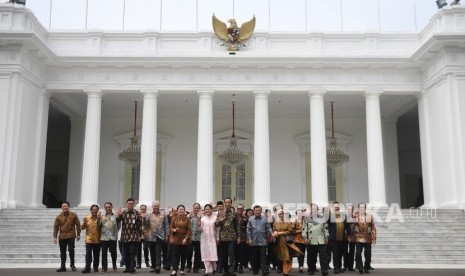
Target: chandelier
x,y
233,155
335,155
131,153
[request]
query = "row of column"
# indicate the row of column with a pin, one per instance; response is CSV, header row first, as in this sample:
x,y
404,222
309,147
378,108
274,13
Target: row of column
x,y
205,182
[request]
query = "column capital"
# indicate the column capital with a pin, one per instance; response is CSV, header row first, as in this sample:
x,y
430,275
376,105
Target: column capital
x,y
93,92
261,93
205,92
373,93
317,93
149,92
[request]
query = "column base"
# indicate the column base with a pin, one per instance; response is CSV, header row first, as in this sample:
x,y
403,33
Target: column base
x,y
377,205
13,204
85,205
37,205
449,205
146,203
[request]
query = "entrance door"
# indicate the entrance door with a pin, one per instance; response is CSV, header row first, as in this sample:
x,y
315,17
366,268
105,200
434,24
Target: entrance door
x,y
234,182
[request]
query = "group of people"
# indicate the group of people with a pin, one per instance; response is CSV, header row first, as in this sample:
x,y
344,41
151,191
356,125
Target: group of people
x,y
219,238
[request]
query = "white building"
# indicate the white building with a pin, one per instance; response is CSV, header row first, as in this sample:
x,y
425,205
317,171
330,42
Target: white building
x,y
68,88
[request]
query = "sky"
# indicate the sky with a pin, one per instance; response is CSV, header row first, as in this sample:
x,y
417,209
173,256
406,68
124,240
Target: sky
x,y
274,16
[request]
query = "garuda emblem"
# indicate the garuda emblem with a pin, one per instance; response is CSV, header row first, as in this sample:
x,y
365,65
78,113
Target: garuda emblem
x,y
233,36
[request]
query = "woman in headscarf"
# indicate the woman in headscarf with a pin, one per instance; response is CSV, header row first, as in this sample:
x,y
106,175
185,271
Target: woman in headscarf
x,y
284,248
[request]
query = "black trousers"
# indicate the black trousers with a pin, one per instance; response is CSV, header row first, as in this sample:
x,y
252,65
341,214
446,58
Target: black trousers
x,y
92,249
108,245
193,249
349,258
142,244
301,258
337,248
130,252
155,248
121,251
359,247
178,252
66,243
313,250
166,249
258,259
271,258
227,254
242,254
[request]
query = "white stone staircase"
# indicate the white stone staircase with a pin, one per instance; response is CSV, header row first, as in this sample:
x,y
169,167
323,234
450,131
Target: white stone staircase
x,y
426,237
438,239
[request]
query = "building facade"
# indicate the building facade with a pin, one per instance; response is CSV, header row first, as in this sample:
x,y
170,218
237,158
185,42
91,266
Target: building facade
x,y
185,82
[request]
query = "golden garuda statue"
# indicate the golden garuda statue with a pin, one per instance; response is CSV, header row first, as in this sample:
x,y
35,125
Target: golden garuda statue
x,y
233,36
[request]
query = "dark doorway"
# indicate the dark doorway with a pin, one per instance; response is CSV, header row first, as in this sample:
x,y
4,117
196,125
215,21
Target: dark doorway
x,y
56,158
410,174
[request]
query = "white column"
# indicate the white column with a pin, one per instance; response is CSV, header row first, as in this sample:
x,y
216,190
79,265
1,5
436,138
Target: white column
x,y
205,187
262,149
148,164
376,180
318,148
425,146
40,149
90,168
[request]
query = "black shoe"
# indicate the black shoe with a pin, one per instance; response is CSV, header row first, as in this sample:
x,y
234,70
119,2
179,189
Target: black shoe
x,y
311,272
95,269
132,271
337,270
360,271
324,272
157,270
147,264
188,270
126,270
350,269
87,270
279,270
240,269
255,272
371,268
73,268
196,270
366,270
61,269
231,274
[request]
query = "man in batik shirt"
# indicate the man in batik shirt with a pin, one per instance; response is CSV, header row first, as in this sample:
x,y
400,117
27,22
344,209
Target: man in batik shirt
x,y
68,224
227,222
109,236
157,227
131,231
365,235
241,247
193,249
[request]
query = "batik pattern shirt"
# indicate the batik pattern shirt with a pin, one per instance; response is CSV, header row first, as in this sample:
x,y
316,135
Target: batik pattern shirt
x,y
67,224
92,227
228,226
364,229
242,221
110,227
195,225
157,227
131,224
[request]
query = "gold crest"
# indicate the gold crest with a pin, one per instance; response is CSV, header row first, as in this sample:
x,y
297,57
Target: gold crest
x,y
233,36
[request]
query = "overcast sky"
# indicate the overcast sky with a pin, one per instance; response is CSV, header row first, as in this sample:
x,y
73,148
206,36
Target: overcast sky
x,y
299,16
